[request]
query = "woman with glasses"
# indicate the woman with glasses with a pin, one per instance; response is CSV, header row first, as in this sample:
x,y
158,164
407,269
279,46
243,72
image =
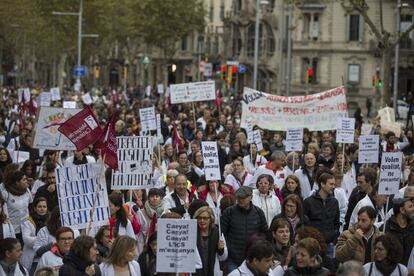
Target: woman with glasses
x,y
211,248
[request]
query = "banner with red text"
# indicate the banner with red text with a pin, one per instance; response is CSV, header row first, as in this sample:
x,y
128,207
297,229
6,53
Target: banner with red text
x,y
315,112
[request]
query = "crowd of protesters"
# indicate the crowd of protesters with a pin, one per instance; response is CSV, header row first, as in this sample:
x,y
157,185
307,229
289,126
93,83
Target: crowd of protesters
x,y
313,212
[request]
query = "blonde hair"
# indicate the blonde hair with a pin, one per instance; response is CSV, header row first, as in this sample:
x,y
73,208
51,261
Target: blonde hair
x,y
208,210
121,245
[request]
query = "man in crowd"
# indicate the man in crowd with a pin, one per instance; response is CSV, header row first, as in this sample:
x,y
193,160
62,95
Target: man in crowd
x,y
48,190
307,175
275,168
180,199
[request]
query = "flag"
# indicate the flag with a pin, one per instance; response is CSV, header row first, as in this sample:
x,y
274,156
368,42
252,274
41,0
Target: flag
x,y
82,129
219,100
32,106
152,227
107,144
177,141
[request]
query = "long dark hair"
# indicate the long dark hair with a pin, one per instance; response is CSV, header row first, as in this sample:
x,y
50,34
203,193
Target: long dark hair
x,y
54,223
120,215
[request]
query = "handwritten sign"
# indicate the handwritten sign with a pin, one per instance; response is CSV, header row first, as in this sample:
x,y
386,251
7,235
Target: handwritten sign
x,y
294,139
148,119
368,149
345,130
193,92
390,175
211,161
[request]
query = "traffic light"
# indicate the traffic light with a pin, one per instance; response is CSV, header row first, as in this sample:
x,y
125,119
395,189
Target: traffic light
x,y
223,72
379,83
374,81
309,74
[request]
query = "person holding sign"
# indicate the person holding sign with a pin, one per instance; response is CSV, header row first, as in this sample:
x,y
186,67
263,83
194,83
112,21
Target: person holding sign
x,y
210,246
119,222
239,177
253,160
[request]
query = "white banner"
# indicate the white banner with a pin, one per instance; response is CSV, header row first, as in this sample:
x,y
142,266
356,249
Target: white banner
x,y
211,160
176,245
45,98
193,92
76,186
345,130
390,175
368,149
55,92
294,139
135,163
46,134
315,112
148,119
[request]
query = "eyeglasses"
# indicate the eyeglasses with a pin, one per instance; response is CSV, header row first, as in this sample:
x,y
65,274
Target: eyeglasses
x,y
66,239
203,218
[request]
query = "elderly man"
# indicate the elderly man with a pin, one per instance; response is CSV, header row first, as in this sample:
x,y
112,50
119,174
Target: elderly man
x,y
180,199
307,175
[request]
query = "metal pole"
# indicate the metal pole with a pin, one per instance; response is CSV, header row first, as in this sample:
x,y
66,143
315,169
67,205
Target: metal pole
x,y
256,44
79,37
198,61
289,52
396,61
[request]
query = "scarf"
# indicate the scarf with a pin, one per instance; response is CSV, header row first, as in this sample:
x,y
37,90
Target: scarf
x,y
254,271
39,221
184,169
294,222
8,269
240,178
384,268
80,162
14,190
151,210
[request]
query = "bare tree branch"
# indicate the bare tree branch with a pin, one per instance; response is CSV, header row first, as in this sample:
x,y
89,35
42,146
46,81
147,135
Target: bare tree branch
x,y
361,9
381,17
404,34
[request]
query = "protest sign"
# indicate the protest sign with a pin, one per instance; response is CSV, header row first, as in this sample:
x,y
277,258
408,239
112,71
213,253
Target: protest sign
x,y
345,130
294,139
87,99
55,93
249,130
368,149
45,98
176,245
211,161
192,92
69,104
159,133
148,119
23,92
75,187
390,175
135,163
387,126
46,134
20,156
257,139
387,114
315,112
160,88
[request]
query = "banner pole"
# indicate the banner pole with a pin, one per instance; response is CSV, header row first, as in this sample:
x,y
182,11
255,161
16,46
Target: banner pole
x,y
343,157
293,165
385,214
217,213
194,114
101,177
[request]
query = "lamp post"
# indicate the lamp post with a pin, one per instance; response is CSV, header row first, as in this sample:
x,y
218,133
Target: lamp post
x,y
256,39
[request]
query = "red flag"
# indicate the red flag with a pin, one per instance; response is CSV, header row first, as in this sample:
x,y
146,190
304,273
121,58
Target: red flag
x,y
219,100
107,144
152,226
82,129
32,106
177,141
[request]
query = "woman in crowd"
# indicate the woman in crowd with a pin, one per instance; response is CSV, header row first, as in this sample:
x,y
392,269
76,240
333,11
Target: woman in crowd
x,y
213,193
314,148
10,253
348,179
169,155
197,165
210,246
253,159
239,177
154,205
81,258
292,186
292,211
103,243
29,169
120,260
236,151
264,197
147,259
280,229
387,255
119,222
157,171
169,183
17,197
308,261
7,230
5,159
327,157
30,228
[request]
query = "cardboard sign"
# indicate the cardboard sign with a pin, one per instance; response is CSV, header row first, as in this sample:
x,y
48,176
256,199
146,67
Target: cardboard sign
x,y
345,130
390,175
257,139
45,98
387,126
368,149
135,163
176,245
193,92
294,139
211,160
20,156
46,134
55,92
148,119
76,186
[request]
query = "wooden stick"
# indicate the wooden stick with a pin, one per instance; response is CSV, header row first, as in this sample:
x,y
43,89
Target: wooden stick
x,y
97,186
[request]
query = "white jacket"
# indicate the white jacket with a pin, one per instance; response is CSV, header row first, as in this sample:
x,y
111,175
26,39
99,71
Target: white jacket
x,y
375,272
304,183
366,201
252,166
269,203
29,238
218,259
108,269
242,270
49,259
279,176
17,207
44,238
348,183
235,183
17,271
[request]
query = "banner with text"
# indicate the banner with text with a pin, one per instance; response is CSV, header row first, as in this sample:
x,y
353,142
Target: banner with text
x,y
176,245
211,160
76,186
315,112
46,134
147,118
368,149
345,130
390,175
193,92
135,163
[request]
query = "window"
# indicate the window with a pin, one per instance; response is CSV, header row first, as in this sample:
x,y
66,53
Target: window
x,y
211,13
236,42
407,41
355,27
271,6
250,40
311,26
237,6
184,43
267,43
309,65
353,73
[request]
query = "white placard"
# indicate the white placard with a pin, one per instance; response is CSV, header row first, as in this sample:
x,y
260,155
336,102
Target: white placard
x,y
193,92
160,88
176,245
45,98
390,175
20,156
208,70
76,186
345,130
148,91
148,119
69,104
368,149
135,163
211,160
55,92
87,99
25,92
159,133
249,130
257,139
294,139
46,134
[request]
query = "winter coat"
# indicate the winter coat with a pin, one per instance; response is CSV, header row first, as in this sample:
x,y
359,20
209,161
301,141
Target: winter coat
x,y
19,270
404,235
269,203
238,225
351,247
323,215
75,266
307,271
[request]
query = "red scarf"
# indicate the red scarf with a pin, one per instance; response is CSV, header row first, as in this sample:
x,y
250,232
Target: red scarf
x,y
267,166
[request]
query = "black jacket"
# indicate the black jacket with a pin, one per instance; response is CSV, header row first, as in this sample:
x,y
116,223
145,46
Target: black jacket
x,y
404,235
323,215
75,266
354,198
147,263
238,226
311,271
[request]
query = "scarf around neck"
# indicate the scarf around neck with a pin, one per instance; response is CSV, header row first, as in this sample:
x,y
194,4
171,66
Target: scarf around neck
x,y
14,190
385,269
151,210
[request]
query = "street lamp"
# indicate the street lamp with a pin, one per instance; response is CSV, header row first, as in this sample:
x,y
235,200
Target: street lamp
x,y
256,39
